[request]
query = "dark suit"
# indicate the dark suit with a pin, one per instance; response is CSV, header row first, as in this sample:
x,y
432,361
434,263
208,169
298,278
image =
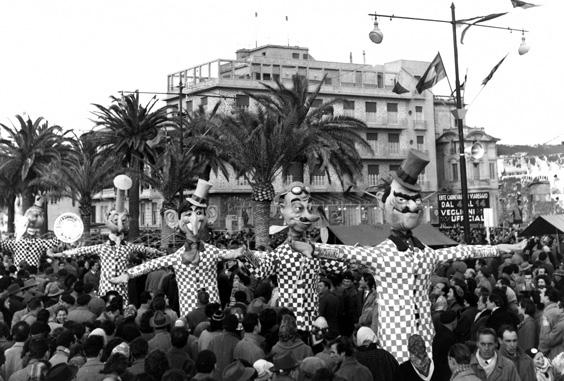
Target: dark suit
x,y
500,317
465,321
443,340
331,308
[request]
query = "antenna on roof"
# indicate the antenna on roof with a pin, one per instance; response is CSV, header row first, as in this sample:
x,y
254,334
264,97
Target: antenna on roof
x,y
364,57
256,29
287,31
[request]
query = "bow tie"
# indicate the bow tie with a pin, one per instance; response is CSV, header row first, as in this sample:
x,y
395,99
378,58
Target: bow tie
x,y
405,240
113,243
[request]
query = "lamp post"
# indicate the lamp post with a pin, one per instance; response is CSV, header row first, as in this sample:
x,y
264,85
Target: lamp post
x,y
377,36
181,140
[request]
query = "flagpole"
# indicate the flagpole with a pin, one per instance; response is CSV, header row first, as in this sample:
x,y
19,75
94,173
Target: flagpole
x,y
460,124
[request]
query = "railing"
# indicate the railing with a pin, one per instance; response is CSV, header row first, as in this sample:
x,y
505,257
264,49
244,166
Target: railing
x,y
318,180
420,124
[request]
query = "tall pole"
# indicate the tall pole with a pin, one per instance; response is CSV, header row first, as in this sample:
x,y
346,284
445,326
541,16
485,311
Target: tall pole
x,y
181,140
459,115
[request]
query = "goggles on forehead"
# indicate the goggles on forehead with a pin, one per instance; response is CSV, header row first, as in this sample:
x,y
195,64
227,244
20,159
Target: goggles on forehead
x,y
297,190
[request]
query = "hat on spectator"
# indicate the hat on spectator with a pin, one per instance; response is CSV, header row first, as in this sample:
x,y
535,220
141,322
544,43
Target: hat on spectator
x,y
365,334
524,266
309,366
99,332
321,323
283,362
263,369
61,372
123,349
236,371
447,317
546,249
159,320
97,305
218,316
256,306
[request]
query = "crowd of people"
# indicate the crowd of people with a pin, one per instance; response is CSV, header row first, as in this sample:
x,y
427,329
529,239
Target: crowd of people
x,y
55,327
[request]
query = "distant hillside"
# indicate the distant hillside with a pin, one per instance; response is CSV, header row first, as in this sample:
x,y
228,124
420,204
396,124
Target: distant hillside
x,y
536,150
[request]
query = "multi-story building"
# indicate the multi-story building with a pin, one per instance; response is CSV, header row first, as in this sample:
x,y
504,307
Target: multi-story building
x,y
395,122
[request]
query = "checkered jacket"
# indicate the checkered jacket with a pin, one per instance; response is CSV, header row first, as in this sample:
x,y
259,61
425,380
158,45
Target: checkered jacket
x,y
403,280
28,249
298,278
190,278
114,260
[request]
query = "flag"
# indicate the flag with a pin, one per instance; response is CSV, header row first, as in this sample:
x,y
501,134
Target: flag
x,y
402,83
522,4
434,73
487,79
479,20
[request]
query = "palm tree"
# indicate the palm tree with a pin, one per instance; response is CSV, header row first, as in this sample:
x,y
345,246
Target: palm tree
x,y
286,130
29,155
127,129
8,195
88,173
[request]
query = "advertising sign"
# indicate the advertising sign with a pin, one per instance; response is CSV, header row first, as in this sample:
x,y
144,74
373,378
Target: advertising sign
x,y
450,208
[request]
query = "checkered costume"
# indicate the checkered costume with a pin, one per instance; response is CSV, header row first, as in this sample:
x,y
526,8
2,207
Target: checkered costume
x,y
298,277
403,280
28,248
190,278
114,260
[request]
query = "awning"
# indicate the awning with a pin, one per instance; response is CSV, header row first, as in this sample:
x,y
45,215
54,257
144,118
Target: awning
x,y
547,224
372,235
345,198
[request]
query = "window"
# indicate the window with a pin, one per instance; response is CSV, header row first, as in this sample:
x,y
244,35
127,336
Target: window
x,y
93,216
318,178
492,171
418,113
317,103
392,109
154,212
189,106
266,76
296,56
370,107
421,143
454,172
476,171
373,174
305,56
204,101
372,139
242,101
142,214
393,142
380,80
348,105
394,167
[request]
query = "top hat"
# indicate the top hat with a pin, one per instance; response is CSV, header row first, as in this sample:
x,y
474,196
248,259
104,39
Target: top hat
x,y
410,169
200,196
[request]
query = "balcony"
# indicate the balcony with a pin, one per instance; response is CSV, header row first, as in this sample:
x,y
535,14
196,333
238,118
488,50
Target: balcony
x,y
420,124
384,150
384,121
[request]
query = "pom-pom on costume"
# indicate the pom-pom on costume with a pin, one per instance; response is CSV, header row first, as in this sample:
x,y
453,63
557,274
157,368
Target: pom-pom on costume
x,y
402,265
115,253
27,246
195,264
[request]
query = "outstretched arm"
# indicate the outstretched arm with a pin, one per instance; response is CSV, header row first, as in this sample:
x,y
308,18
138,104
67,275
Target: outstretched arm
x,y
357,254
51,243
261,264
462,252
225,254
7,245
84,250
144,268
148,252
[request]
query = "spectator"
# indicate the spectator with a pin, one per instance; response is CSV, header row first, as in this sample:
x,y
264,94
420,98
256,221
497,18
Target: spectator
x,y
380,362
487,363
351,308
205,365
139,350
177,357
38,351
61,372
510,349
318,330
551,342
327,355
145,299
156,364
63,342
90,371
483,314
443,340
500,315
289,341
419,366
13,355
369,310
468,315
92,277
250,347
330,306
223,345
550,316
459,363
82,314
116,365
198,315
161,341
285,367
543,368
214,330
236,371
308,367
528,328
263,368
350,369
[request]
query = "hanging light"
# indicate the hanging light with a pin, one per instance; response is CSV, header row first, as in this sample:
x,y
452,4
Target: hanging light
x,y
523,48
376,35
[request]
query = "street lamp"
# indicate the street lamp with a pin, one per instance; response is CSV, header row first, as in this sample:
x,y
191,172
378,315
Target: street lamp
x,y
377,36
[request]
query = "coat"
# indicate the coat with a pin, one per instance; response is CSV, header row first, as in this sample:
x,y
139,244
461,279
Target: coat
x,y
403,279
331,308
554,342
382,365
464,327
369,313
464,373
298,277
443,340
297,347
528,333
504,370
524,364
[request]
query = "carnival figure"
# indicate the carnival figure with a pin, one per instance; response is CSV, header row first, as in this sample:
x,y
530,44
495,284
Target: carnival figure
x,y
402,265
195,264
116,252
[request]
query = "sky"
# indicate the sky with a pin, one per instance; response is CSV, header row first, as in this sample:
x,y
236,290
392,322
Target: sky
x,y
61,56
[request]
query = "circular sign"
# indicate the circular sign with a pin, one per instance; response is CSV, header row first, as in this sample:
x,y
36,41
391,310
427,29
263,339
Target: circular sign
x,y
68,227
123,182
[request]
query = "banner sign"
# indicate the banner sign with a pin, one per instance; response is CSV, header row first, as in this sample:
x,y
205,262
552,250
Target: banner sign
x,y
450,208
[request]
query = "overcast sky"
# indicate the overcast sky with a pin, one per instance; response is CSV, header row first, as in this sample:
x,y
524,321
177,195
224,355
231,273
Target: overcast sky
x,y
59,57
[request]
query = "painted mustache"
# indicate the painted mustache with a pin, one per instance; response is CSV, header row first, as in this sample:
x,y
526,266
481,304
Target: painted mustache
x,y
406,210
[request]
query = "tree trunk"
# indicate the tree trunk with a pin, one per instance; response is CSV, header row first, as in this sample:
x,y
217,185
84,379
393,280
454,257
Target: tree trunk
x,y
27,199
262,222
134,200
167,233
11,213
45,226
85,207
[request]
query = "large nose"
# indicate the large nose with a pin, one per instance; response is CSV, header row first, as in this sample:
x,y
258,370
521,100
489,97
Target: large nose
x,y
194,223
309,217
413,206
